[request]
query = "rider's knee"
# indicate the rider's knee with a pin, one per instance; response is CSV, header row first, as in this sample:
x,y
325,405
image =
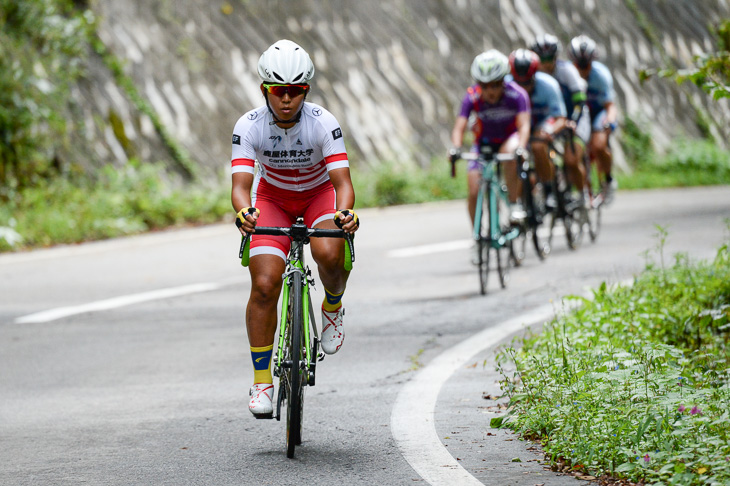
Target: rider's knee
x,y
266,287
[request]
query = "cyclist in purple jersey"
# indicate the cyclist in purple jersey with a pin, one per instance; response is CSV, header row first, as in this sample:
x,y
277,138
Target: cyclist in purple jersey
x,y
601,106
502,121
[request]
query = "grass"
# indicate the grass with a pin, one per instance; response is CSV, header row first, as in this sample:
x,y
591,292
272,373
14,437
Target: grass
x,y
116,202
686,163
635,383
142,197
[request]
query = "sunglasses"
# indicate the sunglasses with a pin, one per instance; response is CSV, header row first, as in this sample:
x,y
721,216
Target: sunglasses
x,y
280,90
492,85
547,59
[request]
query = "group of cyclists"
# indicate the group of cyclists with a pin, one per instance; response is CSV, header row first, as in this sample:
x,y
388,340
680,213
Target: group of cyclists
x,y
303,168
523,101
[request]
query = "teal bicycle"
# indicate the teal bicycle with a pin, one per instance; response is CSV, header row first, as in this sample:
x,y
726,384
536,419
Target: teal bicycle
x,y
492,231
297,351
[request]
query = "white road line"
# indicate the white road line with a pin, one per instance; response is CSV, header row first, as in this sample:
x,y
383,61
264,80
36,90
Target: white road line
x,y
412,420
113,303
428,249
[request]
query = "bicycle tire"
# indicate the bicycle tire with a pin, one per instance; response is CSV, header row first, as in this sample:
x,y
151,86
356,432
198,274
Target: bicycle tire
x,y
573,230
502,250
594,222
573,216
485,238
295,397
535,202
518,249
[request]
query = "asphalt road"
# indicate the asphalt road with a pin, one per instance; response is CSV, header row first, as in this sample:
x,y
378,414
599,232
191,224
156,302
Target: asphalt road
x,y
126,362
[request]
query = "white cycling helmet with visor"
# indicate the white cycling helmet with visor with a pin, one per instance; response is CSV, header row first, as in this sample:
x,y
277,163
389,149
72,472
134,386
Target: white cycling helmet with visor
x,y
582,51
489,66
285,62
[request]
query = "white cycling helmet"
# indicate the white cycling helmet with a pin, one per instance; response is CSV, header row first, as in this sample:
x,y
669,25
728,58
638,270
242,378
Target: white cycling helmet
x,y
489,66
582,50
285,62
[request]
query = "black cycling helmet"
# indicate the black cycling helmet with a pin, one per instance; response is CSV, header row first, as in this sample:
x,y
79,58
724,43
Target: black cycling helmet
x,y
524,64
547,46
582,51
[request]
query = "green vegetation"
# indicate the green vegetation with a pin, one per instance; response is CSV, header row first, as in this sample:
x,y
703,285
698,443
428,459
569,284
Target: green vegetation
x,y
686,162
42,50
390,185
117,202
712,70
635,383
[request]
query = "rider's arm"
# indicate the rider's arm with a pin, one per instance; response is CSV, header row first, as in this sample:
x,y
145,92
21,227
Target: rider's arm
x,y
611,113
522,122
457,134
241,198
344,195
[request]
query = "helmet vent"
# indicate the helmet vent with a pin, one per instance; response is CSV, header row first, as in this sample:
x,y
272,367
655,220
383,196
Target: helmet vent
x,y
298,77
279,77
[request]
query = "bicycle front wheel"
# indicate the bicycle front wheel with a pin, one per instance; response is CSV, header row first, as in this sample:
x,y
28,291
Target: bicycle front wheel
x,y
503,248
483,234
295,392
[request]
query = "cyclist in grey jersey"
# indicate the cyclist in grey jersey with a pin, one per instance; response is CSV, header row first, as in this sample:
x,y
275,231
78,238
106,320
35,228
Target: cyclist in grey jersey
x,y
600,101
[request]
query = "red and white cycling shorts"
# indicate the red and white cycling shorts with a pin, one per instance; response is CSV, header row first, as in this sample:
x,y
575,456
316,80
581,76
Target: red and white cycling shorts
x,y
281,208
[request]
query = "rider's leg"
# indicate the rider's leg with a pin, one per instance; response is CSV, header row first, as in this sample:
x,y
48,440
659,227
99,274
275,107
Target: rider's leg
x,y
261,323
473,178
573,159
602,152
266,282
509,169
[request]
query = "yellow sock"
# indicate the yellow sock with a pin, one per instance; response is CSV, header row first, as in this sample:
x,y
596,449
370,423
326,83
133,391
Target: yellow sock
x,y
261,358
332,302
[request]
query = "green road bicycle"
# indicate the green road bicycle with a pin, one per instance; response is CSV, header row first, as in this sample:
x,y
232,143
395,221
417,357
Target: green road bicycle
x,y
297,352
492,232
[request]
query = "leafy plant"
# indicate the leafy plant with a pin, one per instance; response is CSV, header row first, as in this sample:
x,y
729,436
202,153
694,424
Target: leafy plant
x,y
636,382
42,48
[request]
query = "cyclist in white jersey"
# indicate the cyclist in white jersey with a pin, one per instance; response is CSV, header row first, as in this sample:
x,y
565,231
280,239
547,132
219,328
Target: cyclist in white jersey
x,y
601,106
303,170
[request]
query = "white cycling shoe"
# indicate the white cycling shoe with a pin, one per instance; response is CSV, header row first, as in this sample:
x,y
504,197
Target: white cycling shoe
x,y
260,404
333,331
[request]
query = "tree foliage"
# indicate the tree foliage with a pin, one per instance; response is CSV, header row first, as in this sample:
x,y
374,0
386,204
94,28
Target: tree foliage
x,y
43,44
711,71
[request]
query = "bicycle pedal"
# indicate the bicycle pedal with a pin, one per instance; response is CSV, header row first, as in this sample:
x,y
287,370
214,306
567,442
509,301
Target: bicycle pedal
x,y
320,357
264,416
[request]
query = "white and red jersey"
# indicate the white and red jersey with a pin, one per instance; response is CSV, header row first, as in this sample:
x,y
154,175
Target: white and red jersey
x,y
295,159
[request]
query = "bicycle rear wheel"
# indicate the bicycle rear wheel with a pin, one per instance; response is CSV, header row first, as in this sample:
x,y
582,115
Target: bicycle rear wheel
x,y
295,392
594,221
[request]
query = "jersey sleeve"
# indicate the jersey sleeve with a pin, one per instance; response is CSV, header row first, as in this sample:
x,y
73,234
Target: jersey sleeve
x,y
333,142
243,153
467,105
556,105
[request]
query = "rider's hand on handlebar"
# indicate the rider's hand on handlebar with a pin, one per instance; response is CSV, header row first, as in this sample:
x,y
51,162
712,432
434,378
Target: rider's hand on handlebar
x,y
348,220
246,220
454,155
520,154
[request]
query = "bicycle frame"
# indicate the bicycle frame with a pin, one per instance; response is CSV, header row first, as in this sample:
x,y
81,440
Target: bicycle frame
x,y
490,235
297,353
295,263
